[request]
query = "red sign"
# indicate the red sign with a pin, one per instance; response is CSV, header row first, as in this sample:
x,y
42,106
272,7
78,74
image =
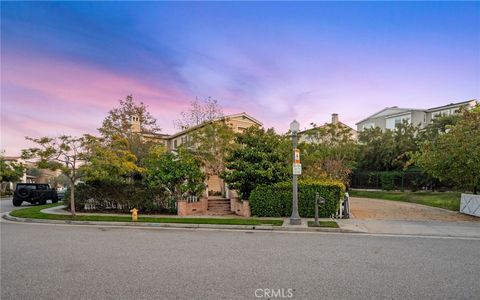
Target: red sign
x,y
297,156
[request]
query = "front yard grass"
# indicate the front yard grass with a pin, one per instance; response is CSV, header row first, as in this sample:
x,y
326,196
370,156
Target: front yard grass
x,y
330,224
447,200
35,213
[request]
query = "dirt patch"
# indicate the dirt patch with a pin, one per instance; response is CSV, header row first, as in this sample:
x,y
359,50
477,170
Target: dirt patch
x,y
373,209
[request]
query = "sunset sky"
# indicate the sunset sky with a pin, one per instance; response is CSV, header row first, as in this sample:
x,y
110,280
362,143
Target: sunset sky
x,y
65,64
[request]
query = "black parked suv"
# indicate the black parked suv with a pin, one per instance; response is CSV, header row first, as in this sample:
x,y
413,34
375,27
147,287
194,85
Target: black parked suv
x,y
34,193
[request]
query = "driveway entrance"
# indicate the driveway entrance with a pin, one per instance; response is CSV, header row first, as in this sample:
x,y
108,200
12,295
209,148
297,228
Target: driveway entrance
x,y
374,209
394,217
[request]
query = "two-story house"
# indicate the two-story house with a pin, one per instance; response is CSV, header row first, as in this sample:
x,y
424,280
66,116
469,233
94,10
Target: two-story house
x,y
390,117
238,122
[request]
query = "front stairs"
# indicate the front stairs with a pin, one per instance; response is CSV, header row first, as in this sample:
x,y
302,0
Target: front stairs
x,y
218,206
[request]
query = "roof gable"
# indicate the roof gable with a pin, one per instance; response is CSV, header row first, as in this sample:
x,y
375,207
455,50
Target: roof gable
x,y
385,112
228,117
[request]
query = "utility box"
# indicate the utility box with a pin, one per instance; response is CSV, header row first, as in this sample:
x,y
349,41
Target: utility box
x,y
470,204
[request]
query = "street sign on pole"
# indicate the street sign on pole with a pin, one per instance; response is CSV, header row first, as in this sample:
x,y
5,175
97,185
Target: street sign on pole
x,y
297,166
297,169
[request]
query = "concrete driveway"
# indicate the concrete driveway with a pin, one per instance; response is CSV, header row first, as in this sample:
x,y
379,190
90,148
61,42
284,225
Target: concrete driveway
x,y
375,209
394,217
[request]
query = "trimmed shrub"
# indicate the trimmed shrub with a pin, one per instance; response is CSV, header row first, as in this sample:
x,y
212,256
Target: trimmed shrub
x,y
276,200
387,180
120,197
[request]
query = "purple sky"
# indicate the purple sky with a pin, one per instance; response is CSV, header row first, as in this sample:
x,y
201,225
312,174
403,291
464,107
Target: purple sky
x,y
65,64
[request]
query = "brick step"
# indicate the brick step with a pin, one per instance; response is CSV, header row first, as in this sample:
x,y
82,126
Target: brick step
x,y
219,200
219,208
219,213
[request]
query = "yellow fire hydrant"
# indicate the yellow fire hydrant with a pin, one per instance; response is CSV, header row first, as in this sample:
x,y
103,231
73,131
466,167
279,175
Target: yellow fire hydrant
x,y
134,212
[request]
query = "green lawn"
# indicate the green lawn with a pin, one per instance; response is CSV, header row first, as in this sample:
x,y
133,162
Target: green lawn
x,y
34,213
330,224
447,200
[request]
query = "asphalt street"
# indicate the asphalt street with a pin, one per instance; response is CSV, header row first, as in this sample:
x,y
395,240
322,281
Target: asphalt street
x,y
86,262
6,205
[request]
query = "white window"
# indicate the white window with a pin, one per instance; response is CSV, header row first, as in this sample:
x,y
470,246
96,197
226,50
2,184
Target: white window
x,y
393,122
445,112
368,125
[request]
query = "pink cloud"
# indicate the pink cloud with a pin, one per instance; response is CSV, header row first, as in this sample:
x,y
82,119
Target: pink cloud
x,y
42,96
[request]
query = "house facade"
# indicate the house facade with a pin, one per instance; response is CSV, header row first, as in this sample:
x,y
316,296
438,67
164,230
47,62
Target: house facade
x,y
390,117
238,122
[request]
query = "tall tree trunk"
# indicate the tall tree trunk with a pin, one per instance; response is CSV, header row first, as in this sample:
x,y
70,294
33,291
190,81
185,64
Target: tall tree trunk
x,y
72,199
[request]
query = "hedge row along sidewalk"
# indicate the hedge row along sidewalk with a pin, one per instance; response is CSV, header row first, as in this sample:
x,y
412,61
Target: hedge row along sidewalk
x,y
276,200
35,213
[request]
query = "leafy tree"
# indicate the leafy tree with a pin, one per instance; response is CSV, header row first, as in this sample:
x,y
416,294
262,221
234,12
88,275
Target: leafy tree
x,y
109,160
60,180
260,158
64,152
10,171
199,112
376,149
388,150
405,138
179,173
210,144
119,120
329,153
437,127
454,156
118,124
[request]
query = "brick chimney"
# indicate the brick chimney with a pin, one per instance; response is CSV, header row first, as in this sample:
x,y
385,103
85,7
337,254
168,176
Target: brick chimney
x,y
334,119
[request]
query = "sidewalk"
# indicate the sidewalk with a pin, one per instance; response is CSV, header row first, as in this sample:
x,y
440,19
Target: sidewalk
x,y
393,227
409,227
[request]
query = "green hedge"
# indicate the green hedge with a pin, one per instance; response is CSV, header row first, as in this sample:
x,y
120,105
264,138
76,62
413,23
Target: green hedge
x,y
120,197
276,200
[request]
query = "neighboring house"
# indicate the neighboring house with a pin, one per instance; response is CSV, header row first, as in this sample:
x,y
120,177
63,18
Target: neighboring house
x,y
390,117
306,135
39,176
238,122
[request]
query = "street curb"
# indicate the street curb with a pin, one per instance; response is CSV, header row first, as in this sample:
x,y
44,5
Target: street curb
x,y
178,225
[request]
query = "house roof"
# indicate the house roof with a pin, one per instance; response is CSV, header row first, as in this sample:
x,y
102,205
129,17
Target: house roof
x,y
339,122
403,113
452,105
159,135
395,110
400,111
242,114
